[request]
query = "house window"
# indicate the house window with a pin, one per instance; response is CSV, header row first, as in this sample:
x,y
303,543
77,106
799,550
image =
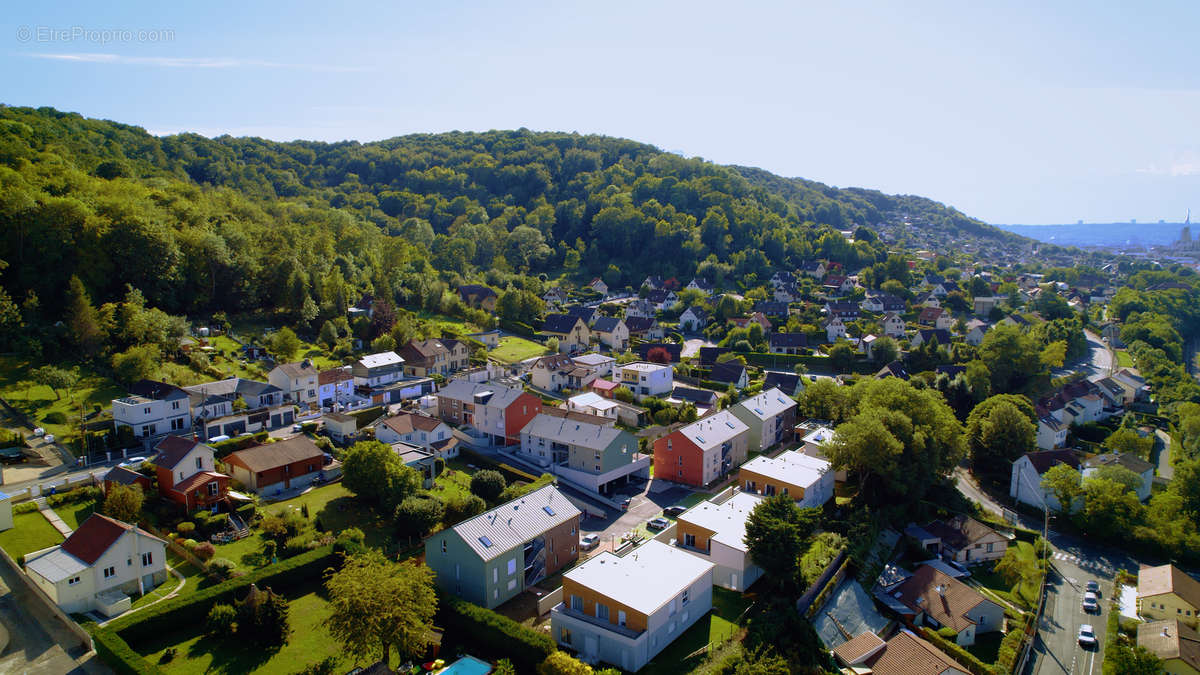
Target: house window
x,y
145,411
147,559
673,608
512,567
174,405
512,584
577,603
689,540
989,548
602,611
72,581
213,489
495,575
199,463
564,636
620,617
443,547
684,601
180,475
110,572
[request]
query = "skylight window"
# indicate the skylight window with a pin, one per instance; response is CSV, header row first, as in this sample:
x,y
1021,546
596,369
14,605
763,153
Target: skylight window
x,y
549,510
729,424
486,541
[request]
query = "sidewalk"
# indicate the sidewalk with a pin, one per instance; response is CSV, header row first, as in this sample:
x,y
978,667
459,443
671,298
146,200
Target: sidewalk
x,y
53,518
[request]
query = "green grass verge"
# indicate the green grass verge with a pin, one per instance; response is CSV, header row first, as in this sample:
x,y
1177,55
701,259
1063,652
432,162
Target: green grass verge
x,y
30,532
74,514
309,643
513,349
37,401
1124,360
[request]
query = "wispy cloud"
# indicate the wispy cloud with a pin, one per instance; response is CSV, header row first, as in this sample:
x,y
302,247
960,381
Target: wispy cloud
x,y
1183,163
192,62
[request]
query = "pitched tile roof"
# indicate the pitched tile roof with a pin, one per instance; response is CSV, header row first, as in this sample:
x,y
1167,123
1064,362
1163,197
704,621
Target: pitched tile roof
x,y
959,532
787,382
406,423
788,340
1043,460
1168,579
639,324
728,371
95,536
907,654
560,323
123,476
858,649
172,449
461,390
334,375
949,606
272,455
481,292
1129,461
298,369
606,324
497,531
768,403
1171,639
381,359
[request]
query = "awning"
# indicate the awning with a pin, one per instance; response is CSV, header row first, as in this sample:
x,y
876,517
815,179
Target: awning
x,y
238,496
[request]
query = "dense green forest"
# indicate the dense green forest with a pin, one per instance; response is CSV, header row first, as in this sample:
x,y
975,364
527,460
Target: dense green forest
x,y
233,224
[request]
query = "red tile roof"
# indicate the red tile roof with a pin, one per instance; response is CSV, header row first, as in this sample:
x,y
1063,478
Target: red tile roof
x,y
273,455
406,423
172,449
94,537
197,480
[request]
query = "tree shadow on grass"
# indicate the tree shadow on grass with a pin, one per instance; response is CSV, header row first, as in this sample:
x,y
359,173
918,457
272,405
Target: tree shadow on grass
x,y
230,654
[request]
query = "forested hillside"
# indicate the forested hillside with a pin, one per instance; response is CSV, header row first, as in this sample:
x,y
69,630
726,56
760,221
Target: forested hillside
x,y
232,224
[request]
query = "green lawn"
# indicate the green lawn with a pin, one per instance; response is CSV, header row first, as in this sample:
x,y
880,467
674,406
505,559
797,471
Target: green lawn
x,y
74,514
987,646
308,644
193,580
337,509
1124,360
30,532
448,323
713,629
454,482
513,349
37,401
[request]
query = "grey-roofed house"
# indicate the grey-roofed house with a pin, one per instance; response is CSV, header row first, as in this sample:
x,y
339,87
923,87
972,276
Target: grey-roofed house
x,y
612,333
770,415
789,383
1139,467
701,398
297,381
598,457
376,370
589,314
494,409
213,410
929,334
787,343
729,372
708,355
495,556
572,331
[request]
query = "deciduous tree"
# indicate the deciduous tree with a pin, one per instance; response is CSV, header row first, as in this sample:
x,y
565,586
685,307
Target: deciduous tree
x,y
124,502
375,605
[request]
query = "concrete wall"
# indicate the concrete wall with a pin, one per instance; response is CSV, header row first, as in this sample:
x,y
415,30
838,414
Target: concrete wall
x,y
13,574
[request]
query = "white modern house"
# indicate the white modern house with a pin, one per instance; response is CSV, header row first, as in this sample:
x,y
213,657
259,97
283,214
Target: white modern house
x,y
626,609
806,479
601,365
592,403
153,409
1025,483
647,379
769,415
99,566
715,531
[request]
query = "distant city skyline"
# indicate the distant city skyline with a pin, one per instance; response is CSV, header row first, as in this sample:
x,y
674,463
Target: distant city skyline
x,y
1012,112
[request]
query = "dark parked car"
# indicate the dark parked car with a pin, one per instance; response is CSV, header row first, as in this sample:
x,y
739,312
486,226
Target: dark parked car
x,y
674,511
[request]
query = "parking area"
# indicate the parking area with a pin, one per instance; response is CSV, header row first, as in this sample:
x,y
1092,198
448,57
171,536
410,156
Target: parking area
x,y
644,505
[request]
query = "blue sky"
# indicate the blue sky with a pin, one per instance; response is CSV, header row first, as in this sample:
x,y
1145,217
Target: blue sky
x,y
1013,112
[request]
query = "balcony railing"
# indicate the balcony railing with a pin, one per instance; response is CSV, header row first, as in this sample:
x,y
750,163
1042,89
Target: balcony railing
x,y
625,631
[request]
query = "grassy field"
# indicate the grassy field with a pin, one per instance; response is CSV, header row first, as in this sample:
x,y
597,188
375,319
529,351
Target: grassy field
x,y
714,628
30,532
308,644
37,401
74,514
1124,360
337,509
448,323
455,481
513,349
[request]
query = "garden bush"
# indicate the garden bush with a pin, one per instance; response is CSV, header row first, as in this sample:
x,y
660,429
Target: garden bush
x,y
186,528
495,634
220,620
221,568
25,507
204,551
55,417
81,494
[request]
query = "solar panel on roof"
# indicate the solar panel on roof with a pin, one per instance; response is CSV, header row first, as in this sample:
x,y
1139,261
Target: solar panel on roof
x,y
487,542
548,510
728,424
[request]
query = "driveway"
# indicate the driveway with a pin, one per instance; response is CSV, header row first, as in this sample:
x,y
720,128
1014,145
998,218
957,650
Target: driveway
x,y
644,506
1162,455
692,347
38,641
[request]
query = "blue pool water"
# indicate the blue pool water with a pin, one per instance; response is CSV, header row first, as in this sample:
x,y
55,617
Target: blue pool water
x,y
468,665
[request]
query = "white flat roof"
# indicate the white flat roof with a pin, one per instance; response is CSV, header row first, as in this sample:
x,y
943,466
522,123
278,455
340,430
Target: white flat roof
x,y
56,565
727,521
592,400
593,359
645,366
794,468
644,579
819,436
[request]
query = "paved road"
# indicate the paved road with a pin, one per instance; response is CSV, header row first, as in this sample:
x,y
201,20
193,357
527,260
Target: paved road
x,y
39,642
1097,363
1162,454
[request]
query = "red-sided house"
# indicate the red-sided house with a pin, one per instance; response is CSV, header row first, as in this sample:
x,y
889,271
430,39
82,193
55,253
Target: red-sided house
x,y
266,469
187,473
703,451
119,475
492,408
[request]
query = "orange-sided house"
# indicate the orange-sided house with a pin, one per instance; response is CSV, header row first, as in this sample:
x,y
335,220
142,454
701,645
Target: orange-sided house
x,y
187,473
275,467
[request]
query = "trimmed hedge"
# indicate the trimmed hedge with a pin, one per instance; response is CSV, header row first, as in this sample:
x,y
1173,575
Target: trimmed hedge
x,y
223,448
959,654
788,361
192,609
116,653
495,634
